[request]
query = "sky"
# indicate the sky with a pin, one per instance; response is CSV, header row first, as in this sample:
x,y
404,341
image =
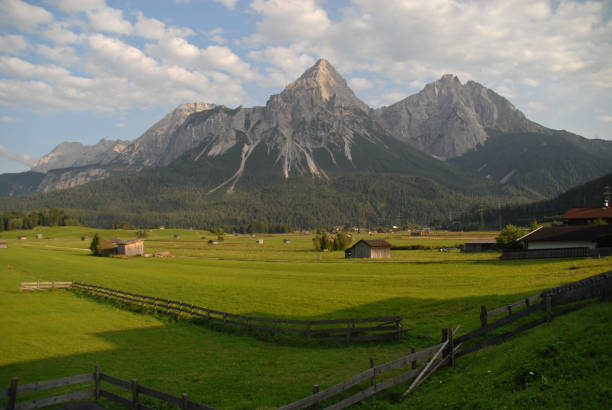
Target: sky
x,y
83,70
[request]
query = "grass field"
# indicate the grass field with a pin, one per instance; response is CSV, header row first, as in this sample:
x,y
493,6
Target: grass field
x,y
54,334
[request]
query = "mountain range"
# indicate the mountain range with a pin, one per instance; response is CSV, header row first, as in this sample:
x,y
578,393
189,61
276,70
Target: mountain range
x,y
453,140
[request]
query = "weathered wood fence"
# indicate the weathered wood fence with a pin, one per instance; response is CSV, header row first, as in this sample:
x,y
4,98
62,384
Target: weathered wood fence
x,y
452,347
44,285
385,328
93,390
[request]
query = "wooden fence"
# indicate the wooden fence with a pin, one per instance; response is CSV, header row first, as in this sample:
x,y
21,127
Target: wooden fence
x,y
93,390
555,253
452,347
338,330
44,285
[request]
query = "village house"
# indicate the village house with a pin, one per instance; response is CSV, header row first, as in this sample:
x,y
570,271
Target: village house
x,y
563,237
585,216
369,248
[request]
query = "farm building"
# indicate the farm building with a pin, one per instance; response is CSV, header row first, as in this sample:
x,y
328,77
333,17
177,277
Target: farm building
x,y
286,240
371,248
3,245
480,245
133,247
213,242
39,236
85,237
22,238
585,216
259,241
565,242
561,237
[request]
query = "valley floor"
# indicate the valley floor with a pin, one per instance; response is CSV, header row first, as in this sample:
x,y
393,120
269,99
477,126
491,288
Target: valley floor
x,y
55,334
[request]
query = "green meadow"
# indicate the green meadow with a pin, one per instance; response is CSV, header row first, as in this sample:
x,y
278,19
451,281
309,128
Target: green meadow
x,y
54,334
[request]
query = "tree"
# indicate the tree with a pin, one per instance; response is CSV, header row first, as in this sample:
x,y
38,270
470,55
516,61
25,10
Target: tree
x,y
100,247
508,237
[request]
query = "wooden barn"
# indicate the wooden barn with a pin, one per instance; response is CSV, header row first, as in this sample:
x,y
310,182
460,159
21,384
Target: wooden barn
x,y
480,245
370,248
133,247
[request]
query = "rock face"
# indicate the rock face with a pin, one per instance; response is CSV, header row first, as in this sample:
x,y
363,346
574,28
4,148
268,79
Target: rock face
x,y
149,149
75,154
447,118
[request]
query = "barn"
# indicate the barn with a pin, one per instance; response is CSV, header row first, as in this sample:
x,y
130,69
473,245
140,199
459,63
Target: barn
x,y
372,248
480,245
133,247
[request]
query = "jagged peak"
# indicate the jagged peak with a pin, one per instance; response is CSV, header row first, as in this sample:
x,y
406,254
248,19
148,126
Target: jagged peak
x,y
324,81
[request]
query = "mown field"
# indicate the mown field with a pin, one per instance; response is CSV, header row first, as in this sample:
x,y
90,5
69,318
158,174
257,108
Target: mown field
x,y
54,334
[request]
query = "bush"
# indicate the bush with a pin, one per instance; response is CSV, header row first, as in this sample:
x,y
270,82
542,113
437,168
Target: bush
x,y
337,242
508,237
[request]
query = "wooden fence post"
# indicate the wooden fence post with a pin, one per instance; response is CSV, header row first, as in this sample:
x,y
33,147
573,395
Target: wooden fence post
x,y
373,378
509,310
548,307
451,347
348,331
184,401
97,381
527,302
444,339
12,394
398,326
135,403
315,390
413,351
483,316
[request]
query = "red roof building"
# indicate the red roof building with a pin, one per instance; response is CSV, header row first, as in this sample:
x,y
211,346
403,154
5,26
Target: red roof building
x,y
584,216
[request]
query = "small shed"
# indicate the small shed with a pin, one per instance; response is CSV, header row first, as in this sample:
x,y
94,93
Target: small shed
x,y
39,236
133,247
286,240
480,245
3,245
213,242
369,248
177,236
259,241
22,237
85,237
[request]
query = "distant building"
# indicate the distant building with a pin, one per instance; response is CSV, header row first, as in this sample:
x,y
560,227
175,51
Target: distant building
x,y
213,242
85,237
585,216
3,245
259,241
39,236
22,238
576,236
369,248
286,240
133,247
480,245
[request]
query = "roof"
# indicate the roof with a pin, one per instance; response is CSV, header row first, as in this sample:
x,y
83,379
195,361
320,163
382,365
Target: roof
x,y
582,233
588,213
483,241
374,243
130,241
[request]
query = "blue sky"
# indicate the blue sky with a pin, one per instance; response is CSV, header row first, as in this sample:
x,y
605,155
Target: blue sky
x,y
82,70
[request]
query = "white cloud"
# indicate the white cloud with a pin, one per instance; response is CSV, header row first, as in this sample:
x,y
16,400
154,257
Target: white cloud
x,y
360,83
22,158
282,64
13,44
59,33
109,20
77,6
66,56
16,67
7,118
536,106
230,4
605,118
22,15
286,21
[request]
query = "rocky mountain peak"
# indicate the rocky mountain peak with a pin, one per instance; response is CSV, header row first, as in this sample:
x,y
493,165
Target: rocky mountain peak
x,y
75,154
323,82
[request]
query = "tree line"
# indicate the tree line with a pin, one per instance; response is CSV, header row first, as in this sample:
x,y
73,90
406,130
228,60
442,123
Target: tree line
x,y
14,220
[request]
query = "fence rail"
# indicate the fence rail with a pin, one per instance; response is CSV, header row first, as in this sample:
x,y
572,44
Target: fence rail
x,y
383,328
44,285
94,392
